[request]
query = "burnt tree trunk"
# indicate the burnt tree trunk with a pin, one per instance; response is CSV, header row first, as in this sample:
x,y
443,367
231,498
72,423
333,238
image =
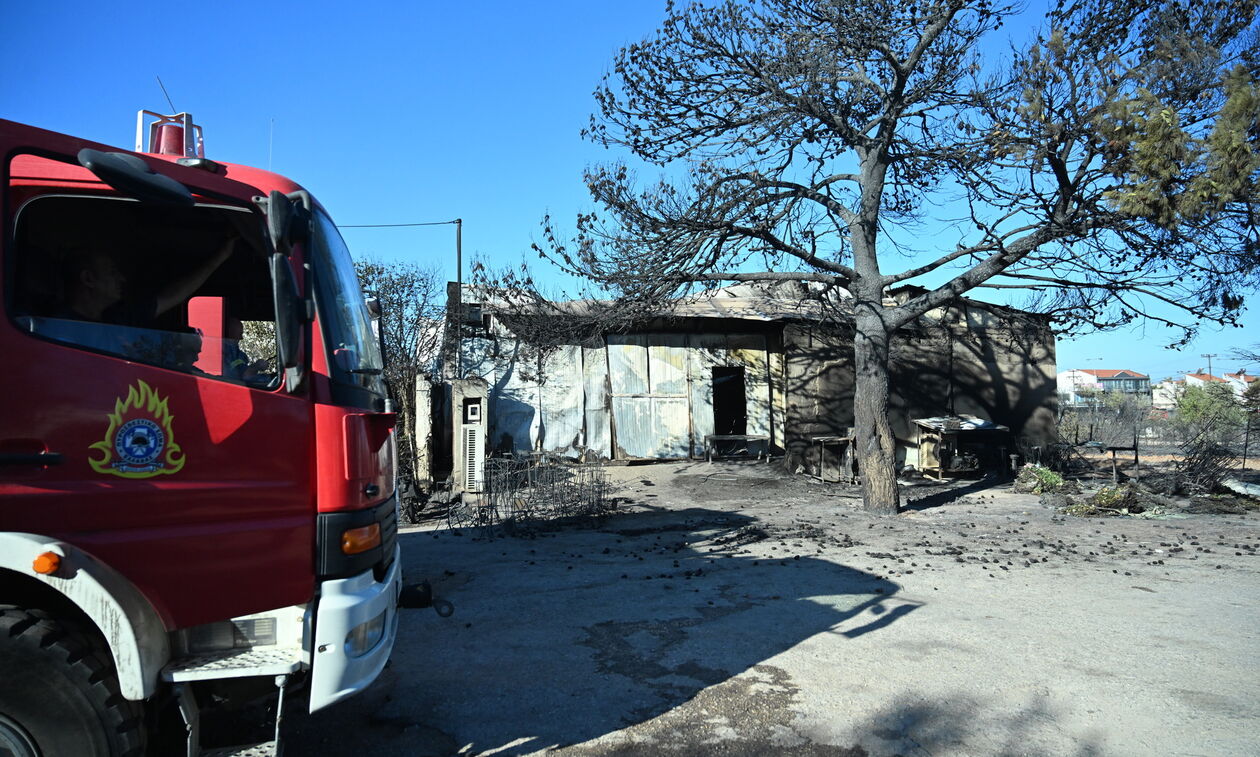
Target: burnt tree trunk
x,y
874,443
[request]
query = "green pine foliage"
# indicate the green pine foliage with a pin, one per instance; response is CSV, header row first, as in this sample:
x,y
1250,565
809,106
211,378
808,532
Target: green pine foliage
x,y
1171,174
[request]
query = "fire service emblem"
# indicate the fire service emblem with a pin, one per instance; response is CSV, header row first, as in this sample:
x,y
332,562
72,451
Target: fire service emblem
x,y
139,442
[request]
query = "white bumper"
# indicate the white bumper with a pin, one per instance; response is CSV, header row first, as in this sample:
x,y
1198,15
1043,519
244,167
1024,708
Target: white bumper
x,y
344,605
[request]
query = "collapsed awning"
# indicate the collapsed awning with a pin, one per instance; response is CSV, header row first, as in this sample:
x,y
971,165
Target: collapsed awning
x,y
959,423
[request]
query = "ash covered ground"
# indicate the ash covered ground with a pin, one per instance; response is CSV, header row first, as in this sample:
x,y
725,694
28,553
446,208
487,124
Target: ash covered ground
x,y
732,608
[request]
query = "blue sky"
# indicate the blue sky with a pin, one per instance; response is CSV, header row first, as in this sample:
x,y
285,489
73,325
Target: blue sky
x,y
394,113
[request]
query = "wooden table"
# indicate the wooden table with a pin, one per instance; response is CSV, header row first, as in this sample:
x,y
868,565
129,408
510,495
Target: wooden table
x,y
846,456
1115,468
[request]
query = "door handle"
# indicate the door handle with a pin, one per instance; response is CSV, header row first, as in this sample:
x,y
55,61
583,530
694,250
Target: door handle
x,y
41,459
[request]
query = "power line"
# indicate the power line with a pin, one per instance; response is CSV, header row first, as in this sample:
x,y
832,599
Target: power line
x,y
393,225
458,223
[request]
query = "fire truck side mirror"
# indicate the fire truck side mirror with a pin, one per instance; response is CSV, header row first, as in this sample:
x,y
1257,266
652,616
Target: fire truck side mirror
x,y
133,177
287,222
279,214
290,317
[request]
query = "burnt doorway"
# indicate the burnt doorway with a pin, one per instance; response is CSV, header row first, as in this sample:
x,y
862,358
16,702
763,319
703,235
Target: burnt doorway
x,y
730,402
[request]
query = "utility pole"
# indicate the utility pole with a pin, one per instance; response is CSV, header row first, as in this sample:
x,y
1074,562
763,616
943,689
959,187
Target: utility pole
x,y
1209,359
457,302
459,251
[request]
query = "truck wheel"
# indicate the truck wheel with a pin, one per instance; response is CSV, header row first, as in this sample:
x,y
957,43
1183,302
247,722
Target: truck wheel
x,y
60,695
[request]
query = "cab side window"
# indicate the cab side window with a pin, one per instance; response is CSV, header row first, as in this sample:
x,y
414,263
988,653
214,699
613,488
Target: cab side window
x,y
185,289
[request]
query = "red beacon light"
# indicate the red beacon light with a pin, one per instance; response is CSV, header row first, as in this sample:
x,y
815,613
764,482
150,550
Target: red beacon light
x,y
173,135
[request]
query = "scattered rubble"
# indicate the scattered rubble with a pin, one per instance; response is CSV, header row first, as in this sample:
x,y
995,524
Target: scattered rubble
x,y
1155,496
1037,479
1204,464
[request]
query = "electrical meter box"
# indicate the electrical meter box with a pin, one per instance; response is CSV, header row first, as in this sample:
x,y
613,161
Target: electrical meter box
x,y
469,398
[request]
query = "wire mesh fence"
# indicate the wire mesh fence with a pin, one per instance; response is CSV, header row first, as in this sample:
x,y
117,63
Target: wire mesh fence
x,y
473,514
524,492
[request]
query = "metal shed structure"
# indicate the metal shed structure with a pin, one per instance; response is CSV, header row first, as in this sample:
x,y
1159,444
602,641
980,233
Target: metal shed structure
x,y
639,396
745,360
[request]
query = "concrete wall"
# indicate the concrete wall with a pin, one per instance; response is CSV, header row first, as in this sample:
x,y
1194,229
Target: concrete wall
x,y
422,432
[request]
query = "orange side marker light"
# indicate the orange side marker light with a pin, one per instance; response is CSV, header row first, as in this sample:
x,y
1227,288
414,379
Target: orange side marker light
x,y
47,563
357,540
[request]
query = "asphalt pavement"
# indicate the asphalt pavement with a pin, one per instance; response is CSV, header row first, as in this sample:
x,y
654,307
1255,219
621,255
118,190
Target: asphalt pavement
x,y
731,609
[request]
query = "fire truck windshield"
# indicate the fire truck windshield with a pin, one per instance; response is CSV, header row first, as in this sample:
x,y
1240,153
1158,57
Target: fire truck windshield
x,y
353,347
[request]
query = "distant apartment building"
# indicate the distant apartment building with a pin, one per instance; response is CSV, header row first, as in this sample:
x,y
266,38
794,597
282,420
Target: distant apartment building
x,y
1240,381
1082,386
1165,394
1203,379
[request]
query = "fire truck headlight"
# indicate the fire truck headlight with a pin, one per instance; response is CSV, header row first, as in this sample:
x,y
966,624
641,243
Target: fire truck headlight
x,y
364,636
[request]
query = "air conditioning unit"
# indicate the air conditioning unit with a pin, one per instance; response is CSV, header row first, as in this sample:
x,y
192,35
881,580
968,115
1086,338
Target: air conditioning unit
x,y
473,447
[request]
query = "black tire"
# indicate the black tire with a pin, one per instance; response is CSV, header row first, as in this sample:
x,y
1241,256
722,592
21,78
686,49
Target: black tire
x,y
61,691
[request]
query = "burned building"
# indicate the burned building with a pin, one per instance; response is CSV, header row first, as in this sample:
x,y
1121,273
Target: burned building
x,y
768,365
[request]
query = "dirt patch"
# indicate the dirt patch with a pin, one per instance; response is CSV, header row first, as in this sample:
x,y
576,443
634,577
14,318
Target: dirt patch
x,y
747,716
720,485
1222,504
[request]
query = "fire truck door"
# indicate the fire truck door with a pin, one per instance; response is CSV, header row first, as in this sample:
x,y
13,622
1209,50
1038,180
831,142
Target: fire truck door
x,y
190,475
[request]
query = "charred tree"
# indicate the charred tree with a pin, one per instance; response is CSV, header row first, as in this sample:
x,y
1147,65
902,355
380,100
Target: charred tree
x,y
412,312
1109,167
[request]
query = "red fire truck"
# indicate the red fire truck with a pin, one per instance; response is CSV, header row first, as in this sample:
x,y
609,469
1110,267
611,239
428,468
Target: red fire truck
x,y
197,493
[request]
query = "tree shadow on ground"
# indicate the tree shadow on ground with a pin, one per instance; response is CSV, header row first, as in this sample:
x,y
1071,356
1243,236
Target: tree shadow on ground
x,y
967,724
950,495
578,634
910,724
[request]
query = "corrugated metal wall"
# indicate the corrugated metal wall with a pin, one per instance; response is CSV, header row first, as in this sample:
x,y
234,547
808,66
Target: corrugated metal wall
x,y
662,389
641,396
648,377
540,400
560,398
596,403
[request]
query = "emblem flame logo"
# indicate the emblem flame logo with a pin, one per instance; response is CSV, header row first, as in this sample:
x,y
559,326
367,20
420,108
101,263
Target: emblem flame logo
x,y
138,434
